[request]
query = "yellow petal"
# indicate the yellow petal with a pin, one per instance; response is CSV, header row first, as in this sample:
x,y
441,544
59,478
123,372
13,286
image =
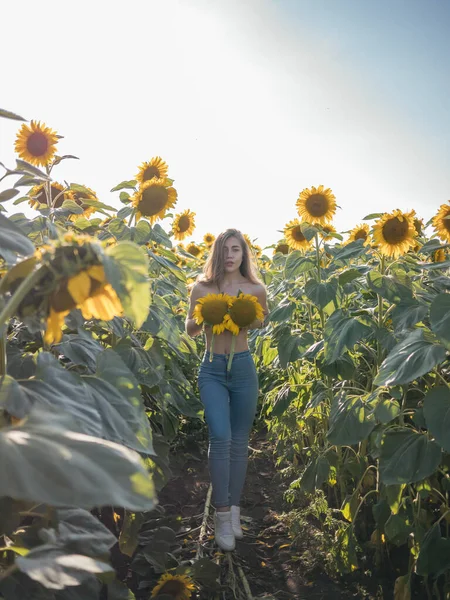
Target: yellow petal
x,y
97,272
55,322
79,287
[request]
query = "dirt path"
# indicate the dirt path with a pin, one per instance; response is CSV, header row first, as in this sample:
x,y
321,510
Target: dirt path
x,y
265,556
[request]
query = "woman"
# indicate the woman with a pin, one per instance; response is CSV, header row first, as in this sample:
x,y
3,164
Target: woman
x,y
229,397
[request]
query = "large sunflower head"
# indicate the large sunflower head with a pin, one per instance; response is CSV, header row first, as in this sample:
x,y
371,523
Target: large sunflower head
x,y
154,199
36,143
212,309
183,224
394,233
441,222
360,232
326,231
155,168
38,195
282,247
294,235
209,239
316,205
242,311
193,249
79,197
178,587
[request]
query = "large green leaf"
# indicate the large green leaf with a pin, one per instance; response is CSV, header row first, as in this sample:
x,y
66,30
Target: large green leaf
x,y
81,349
43,460
405,316
79,531
434,554
147,367
127,271
315,474
440,318
8,194
407,456
161,322
436,409
296,264
283,312
341,334
411,358
389,287
352,250
351,420
13,241
321,294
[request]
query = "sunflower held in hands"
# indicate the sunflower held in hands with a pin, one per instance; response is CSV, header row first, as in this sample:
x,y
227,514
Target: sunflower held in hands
x,y
212,310
244,309
394,233
36,143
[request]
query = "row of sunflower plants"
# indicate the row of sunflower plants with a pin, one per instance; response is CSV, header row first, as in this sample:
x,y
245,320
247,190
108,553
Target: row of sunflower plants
x,y
95,381
355,373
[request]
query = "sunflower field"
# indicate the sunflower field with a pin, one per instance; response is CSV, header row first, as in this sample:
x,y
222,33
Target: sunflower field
x,y
97,384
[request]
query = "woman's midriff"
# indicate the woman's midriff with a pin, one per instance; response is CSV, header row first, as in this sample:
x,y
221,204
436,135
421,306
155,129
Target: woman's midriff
x,y
222,342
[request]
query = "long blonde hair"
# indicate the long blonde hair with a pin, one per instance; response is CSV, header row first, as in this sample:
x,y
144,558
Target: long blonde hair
x,y
214,269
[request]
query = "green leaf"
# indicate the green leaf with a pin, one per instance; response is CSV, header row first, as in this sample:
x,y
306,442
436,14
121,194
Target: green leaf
x,y
315,474
12,240
125,185
180,397
6,114
127,271
341,334
436,409
44,461
390,288
373,216
410,359
352,250
349,275
22,165
394,494
283,312
288,349
296,264
397,530
351,420
125,198
128,539
321,294
434,554
83,533
440,318
81,349
100,206
405,316
147,367
8,194
160,322
407,456
72,207
282,401
387,410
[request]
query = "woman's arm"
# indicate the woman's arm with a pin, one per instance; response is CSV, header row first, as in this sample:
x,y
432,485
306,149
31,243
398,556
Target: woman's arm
x,y
192,329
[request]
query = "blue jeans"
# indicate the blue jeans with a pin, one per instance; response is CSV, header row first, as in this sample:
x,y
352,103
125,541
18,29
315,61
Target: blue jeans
x,y
229,399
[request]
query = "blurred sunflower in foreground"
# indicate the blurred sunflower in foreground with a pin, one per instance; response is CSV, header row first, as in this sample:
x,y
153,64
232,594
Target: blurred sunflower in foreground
x,y
183,225
394,233
178,587
441,222
153,200
316,205
294,235
36,143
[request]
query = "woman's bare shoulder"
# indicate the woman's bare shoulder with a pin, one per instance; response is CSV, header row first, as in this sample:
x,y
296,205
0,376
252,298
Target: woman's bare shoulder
x,y
257,288
200,289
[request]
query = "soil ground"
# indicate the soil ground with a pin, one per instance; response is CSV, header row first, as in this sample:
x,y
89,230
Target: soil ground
x,y
273,568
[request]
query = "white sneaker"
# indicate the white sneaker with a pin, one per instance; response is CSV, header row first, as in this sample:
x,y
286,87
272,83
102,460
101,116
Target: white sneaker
x,y
223,533
236,522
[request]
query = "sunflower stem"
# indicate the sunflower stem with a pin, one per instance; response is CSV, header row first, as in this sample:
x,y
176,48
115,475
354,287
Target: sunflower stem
x,y
319,276
211,350
27,284
380,311
131,217
233,346
3,352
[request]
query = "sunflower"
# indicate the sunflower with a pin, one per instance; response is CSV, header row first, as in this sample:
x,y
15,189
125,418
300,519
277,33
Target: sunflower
x,y
87,290
441,222
418,223
438,255
153,200
394,233
78,197
209,239
155,168
212,310
326,231
36,143
257,250
248,240
282,247
316,205
178,587
294,235
183,225
242,311
360,232
193,249
38,195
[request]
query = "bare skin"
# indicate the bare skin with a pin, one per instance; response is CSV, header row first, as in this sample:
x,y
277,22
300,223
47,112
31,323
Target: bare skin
x,y
231,284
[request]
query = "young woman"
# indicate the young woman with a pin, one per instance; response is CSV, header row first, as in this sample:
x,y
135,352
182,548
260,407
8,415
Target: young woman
x,y
229,397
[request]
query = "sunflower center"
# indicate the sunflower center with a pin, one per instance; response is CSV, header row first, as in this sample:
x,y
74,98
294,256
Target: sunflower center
x,y
214,311
61,300
361,234
184,224
297,234
243,312
150,173
37,144
154,200
446,221
172,588
395,231
283,248
317,205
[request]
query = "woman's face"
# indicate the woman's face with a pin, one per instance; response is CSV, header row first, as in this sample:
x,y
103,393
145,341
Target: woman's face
x,y
232,256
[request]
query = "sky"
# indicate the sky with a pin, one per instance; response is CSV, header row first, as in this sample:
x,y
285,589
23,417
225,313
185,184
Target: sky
x,y
248,101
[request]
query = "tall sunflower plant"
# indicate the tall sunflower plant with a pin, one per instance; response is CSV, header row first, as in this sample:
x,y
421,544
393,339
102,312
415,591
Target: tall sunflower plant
x,y
354,369
92,344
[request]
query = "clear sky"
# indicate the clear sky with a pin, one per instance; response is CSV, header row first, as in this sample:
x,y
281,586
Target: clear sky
x,y
249,102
